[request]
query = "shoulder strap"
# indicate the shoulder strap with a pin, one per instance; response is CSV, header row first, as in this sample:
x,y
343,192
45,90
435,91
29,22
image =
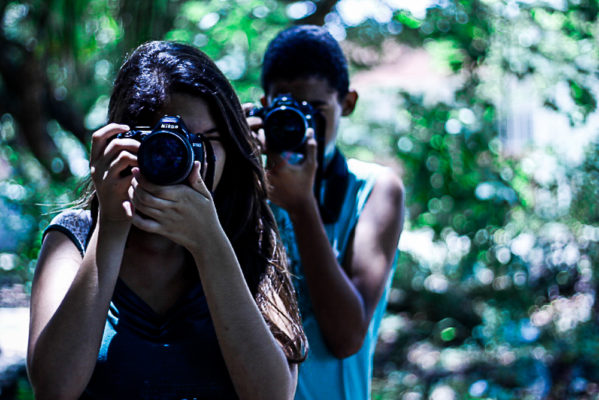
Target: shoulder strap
x,y
332,193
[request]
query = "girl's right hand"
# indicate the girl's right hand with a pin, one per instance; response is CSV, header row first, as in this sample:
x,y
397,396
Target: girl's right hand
x,y
109,161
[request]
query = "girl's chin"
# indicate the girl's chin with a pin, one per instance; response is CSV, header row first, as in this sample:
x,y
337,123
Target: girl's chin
x,y
140,232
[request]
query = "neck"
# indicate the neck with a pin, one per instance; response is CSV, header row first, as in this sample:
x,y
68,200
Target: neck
x,y
151,245
157,269
329,153
152,259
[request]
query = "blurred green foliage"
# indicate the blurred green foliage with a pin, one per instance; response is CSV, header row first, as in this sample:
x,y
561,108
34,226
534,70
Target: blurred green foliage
x,y
494,295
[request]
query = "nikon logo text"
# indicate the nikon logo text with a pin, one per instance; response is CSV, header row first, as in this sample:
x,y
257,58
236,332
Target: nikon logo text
x,y
169,126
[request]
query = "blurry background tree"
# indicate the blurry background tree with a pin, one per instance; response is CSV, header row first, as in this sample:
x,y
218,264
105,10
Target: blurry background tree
x,y
494,295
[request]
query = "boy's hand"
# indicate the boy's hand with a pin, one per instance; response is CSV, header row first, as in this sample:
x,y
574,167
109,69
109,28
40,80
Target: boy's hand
x,y
290,185
256,126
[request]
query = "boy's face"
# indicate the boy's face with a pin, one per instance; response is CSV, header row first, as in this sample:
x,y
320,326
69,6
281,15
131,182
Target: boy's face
x,y
320,95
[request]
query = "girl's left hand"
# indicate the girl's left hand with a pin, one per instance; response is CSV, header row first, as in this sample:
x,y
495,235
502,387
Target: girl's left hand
x,y
184,214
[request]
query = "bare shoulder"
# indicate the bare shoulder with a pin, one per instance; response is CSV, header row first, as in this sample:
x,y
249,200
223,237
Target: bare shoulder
x,y
58,262
386,201
377,235
390,185
381,222
57,245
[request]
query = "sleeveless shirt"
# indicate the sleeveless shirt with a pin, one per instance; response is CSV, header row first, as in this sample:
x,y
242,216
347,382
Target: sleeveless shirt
x,y
322,375
148,356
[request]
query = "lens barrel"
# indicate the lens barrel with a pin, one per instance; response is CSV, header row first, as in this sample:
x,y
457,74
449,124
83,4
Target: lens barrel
x,y
285,123
285,129
165,157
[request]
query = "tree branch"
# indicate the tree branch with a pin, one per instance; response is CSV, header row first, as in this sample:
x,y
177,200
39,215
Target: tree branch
x,y
25,83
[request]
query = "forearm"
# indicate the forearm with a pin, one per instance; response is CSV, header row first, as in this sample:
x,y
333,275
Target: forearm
x,y
64,353
337,304
255,360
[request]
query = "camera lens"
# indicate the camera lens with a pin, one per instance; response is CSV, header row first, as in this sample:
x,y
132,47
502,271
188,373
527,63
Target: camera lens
x,y
285,129
165,158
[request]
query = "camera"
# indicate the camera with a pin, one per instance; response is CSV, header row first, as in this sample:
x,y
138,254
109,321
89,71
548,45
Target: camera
x,y
167,152
285,122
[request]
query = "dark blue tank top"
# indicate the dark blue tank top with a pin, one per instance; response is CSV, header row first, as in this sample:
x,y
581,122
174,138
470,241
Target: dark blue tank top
x,y
147,356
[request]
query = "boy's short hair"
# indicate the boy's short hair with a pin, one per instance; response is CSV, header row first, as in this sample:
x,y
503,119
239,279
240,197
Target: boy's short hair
x,y
305,51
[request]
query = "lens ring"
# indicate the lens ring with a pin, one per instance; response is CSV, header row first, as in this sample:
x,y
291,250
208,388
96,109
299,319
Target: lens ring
x,y
285,129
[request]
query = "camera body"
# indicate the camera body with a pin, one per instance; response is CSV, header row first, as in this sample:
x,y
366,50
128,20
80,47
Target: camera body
x,y
285,122
167,151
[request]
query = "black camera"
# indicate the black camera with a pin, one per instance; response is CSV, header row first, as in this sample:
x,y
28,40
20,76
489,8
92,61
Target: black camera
x,y
167,152
285,122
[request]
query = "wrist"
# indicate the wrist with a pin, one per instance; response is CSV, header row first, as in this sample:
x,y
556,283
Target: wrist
x,y
207,232
207,248
114,227
303,211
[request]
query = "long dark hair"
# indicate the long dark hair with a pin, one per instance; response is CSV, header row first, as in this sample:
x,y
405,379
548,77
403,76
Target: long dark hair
x,y
143,86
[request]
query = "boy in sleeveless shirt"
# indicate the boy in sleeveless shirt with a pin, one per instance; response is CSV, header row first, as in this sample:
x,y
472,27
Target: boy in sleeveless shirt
x,y
342,244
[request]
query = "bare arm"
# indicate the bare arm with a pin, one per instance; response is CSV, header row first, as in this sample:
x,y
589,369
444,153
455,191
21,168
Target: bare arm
x,y
255,361
344,297
69,303
71,294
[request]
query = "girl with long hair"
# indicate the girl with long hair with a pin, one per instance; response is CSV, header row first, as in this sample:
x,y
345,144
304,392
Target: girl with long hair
x,y
167,291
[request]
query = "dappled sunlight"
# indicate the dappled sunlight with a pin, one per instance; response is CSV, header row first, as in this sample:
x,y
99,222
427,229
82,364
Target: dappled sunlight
x,y
565,313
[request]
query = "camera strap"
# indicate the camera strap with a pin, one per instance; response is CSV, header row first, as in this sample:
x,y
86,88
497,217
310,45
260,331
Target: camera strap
x,y
210,162
332,187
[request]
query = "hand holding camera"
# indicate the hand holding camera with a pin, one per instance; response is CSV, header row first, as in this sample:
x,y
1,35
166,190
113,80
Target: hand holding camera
x,y
108,159
185,214
285,122
290,185
294,139
164,154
